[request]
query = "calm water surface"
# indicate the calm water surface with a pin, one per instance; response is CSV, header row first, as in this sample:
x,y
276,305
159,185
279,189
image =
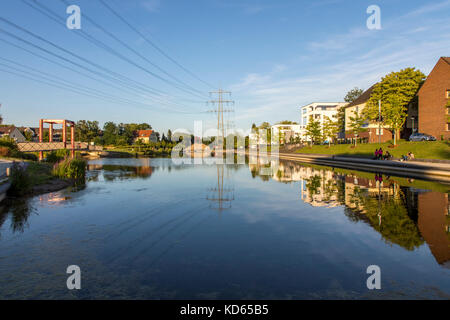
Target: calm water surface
x,y
149,229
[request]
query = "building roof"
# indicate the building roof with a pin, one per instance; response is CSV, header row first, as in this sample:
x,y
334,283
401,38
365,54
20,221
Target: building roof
x,y
362,98
328,104
424,85
144,133
446,59
6,130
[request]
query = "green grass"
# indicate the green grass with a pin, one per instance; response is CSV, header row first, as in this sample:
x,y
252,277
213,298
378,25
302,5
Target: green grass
x,y
421,150
39,173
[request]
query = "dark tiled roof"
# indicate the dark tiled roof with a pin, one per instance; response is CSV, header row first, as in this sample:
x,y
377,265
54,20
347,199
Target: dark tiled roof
x,y
6,130
362,98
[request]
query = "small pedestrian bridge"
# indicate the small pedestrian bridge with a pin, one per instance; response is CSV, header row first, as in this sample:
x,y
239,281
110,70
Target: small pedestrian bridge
x,y
52,146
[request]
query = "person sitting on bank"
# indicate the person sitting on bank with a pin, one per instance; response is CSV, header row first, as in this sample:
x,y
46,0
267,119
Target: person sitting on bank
x,y
411,156
387,156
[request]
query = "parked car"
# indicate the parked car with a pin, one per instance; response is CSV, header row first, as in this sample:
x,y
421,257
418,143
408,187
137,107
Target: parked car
x,y
421,137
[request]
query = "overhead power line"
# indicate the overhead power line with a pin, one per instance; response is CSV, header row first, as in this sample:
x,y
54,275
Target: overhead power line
x,y
112,74
59,20
114,12
49,79
104,30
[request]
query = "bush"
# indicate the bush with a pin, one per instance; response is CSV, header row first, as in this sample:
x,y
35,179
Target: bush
x,y
9,143
70,168
57,156
20,180
5,152
29,156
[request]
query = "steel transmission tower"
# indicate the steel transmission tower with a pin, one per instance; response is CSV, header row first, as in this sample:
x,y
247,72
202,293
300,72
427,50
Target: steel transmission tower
x,y
221,102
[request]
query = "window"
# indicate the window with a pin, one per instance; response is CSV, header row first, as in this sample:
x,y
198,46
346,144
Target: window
x,y
447,94
379,130
448,126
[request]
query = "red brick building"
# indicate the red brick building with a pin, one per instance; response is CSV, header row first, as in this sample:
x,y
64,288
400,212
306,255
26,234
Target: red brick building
x,y
433,96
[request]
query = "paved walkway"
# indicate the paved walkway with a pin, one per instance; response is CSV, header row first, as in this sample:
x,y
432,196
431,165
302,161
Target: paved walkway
x,y
440,171
4,164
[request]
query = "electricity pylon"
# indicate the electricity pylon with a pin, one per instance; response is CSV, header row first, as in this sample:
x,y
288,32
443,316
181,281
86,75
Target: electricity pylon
x,y
221,102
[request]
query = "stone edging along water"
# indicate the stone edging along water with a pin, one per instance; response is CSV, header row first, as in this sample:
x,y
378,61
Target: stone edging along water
x,y
429,171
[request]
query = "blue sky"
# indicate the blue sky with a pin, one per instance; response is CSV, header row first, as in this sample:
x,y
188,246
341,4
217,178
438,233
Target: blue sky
x,y
275,56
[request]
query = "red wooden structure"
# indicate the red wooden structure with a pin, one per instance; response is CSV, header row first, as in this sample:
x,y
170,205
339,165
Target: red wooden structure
x,y
64,124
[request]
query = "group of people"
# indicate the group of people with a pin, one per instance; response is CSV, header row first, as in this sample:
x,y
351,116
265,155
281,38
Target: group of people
x,y
409,156
388,156
380,156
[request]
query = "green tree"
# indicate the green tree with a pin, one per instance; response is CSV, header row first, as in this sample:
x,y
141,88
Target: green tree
x,y
287,122
313,130
110,133
28,135
395,91
341,119
330,129
353,94
357,124
86,131
169,135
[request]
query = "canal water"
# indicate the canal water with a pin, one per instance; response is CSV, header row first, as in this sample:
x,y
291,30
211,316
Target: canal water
x,y
150,229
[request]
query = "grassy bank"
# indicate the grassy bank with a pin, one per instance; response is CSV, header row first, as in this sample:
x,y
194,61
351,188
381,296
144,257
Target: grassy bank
x,y
422,150
40,177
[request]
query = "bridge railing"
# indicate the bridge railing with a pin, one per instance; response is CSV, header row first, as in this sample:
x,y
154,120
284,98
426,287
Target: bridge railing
x,y
49,146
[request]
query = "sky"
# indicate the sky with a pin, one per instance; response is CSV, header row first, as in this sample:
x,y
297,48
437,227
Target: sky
x,y
274,56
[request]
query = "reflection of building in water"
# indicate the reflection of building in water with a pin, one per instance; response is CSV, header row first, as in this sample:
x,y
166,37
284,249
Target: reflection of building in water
x,y
356,186
318,186
434,224
403,215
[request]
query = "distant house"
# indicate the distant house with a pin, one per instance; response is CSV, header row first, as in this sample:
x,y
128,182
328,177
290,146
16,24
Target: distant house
x,y
434,118
13,133
371,134
319,111
32,132
146,136
286,132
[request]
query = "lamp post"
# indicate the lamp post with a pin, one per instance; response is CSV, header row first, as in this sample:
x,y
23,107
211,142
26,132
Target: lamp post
x,y
379,121
412,118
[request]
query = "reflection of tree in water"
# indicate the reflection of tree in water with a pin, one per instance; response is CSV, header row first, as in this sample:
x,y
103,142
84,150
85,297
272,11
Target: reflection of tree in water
x,y
313,184
18,210
388,215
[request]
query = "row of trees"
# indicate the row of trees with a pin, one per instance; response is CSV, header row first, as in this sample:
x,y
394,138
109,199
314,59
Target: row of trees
x,y
121,134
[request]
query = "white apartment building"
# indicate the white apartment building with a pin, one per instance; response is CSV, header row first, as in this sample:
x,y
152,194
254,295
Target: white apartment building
x,y
285,132
319,111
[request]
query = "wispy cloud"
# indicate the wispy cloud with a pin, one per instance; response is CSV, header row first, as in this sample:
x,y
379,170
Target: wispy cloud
x,y
368,56
151,5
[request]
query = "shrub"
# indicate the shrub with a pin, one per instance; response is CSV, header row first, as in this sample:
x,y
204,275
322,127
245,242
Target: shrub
x,y
70,168
29,156
20,180
4,151
57,156
8,143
